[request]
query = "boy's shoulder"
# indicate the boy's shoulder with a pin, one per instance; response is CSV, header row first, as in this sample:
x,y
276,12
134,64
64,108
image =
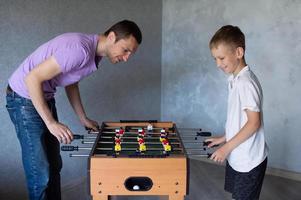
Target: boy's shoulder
x,y
248,82
246,76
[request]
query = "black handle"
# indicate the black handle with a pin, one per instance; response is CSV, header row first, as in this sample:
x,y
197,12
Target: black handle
x,y
77,137
90,129
69,148
204,134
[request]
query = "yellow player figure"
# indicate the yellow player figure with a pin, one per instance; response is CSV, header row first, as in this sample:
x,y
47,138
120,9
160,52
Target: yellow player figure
x,y
117,147
166,145
142,147
141,143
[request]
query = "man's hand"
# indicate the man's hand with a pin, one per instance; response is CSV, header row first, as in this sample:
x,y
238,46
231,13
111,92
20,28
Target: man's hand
x,y
61,132
90,124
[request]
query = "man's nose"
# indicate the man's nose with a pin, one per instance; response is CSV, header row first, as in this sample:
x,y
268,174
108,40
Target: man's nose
x,y
126,57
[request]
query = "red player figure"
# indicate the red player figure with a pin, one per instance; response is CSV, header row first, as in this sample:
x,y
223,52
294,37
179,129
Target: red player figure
x,y
117,140
165,141
121,131
141,132
141,140
166,145
141,143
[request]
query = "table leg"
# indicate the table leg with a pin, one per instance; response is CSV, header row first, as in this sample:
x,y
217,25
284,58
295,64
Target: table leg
x,y
101,197
176,197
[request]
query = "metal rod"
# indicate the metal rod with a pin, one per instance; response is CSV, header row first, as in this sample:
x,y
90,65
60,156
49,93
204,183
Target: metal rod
x,y
76,148
112,142
200,142
134,149
202,149
146,138
189,129
84,148
78,155
199,155
136,133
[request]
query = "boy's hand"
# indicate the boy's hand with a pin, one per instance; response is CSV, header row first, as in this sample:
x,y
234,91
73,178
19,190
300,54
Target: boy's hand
x,y
215,141
220,154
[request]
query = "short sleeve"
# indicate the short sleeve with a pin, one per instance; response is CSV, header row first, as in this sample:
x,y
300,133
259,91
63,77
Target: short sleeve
x,y
69,58
249,95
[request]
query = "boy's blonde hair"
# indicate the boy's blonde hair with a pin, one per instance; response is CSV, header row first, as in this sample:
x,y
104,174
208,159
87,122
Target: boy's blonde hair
x,y
229,35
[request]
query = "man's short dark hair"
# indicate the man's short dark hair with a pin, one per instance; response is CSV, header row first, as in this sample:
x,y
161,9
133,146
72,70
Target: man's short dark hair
x,y
125,29
229,35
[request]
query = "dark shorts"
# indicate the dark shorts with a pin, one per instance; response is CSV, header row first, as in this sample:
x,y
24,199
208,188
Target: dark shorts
x,y
245,185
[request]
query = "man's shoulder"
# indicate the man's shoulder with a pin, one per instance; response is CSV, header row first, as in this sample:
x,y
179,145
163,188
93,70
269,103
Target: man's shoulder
x,y
74,37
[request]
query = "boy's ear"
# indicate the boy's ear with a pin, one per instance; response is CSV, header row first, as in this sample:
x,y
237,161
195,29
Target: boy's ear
x,y
240,52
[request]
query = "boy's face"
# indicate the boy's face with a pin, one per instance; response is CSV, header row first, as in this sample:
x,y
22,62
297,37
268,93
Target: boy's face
x,y
228,58
121,50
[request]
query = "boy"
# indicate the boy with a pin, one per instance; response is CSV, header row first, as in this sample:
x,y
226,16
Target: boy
x,y
245,148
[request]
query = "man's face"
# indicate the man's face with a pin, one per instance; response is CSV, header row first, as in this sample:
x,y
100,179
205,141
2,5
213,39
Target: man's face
x,y
122,49
227,58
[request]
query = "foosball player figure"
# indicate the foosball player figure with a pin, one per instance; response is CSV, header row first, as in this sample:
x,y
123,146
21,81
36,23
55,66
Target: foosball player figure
x,y
163,135
117,147
150,128
121,131
117,130
141,132
141,142
166,145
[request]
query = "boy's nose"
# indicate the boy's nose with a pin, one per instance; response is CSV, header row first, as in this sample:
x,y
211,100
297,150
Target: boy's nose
x,y
218,63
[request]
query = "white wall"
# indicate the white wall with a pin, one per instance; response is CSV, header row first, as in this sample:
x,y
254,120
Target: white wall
x,y
194,91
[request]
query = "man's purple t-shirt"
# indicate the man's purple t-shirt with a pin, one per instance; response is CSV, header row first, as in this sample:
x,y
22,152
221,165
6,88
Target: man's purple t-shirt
x,y
74,52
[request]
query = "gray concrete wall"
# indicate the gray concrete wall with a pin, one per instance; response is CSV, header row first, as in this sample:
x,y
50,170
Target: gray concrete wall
x,y
122,91
194,91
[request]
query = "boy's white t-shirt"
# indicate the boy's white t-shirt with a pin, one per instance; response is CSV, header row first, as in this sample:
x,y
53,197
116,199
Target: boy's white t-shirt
x,y
245,93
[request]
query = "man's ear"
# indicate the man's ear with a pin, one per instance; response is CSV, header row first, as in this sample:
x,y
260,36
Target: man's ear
x,y
240,52
112,37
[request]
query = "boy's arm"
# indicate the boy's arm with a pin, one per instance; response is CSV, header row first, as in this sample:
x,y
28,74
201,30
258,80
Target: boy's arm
x,y
251,126
34,80
73,94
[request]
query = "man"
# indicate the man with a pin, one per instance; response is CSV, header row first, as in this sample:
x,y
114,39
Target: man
x,y
61,62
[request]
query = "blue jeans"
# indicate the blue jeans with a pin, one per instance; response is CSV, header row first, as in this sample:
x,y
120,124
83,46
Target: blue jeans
x,y
40,149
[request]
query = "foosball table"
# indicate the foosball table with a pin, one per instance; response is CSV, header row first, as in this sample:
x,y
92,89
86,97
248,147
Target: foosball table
x,y
137,158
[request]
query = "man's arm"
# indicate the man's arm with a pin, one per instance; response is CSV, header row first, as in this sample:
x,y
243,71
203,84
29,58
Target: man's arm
x,y
252,125
73,94
34,80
